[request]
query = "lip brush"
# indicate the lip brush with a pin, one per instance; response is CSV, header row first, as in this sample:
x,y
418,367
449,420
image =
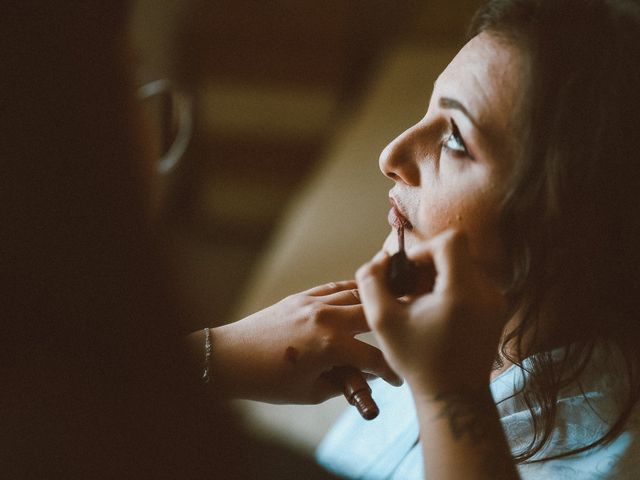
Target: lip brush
x,y
402,275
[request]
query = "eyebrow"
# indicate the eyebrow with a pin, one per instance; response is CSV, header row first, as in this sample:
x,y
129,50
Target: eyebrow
x,y
450,103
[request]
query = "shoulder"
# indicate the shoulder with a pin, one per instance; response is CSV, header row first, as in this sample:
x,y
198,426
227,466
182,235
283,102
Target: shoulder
x,y
619,459
586,409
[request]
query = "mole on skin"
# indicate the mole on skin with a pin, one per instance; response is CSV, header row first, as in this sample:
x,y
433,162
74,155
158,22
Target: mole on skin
x,y
291,355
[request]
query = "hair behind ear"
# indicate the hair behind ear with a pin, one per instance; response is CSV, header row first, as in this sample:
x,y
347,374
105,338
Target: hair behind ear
x,y
571,218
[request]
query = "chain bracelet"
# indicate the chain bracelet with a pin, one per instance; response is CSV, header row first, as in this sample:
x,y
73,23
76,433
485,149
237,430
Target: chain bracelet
x,y
207,356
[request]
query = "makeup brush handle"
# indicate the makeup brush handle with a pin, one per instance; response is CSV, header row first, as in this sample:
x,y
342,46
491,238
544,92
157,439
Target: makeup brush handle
x,y
402,275
357,391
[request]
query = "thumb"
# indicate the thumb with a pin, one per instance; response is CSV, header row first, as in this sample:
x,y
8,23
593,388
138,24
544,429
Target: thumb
x,y
378,302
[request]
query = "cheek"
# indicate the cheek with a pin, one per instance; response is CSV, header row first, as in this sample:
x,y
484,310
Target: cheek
x,y
437,219
477,217
485,243
437,213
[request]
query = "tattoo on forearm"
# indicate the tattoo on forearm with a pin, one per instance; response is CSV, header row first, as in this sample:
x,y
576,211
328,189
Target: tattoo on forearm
x,y
471,416
467,414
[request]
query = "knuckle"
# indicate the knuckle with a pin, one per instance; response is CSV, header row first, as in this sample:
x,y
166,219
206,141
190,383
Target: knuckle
x,y
367,271
302,301
376,269
343,284
296,305
318,313
327,343
355,293
309,303
297,299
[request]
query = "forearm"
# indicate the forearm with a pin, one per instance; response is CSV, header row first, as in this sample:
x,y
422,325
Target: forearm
x,y
284,353
462,437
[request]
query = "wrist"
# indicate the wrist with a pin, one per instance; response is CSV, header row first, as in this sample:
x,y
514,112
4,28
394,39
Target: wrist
x,y
208,351
206,367
465,424
222,373
431,387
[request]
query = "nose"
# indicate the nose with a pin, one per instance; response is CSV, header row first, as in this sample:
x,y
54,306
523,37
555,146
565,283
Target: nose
x,y
398,159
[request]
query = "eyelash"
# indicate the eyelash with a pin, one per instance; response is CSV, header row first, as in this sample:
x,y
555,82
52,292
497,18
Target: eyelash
x,y
455,135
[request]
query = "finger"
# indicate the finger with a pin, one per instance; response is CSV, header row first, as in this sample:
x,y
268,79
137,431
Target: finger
x,y
370,359
331,287
449,252
351,318
324,388
376,299
345,297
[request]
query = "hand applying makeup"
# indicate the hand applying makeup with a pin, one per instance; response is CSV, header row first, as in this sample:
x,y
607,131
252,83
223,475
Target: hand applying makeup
x,y
443,342
447,334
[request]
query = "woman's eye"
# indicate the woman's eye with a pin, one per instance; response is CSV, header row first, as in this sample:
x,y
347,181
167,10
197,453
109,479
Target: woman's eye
x,y
454,141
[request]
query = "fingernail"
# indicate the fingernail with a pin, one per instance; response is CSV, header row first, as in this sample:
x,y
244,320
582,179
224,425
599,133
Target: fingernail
x,y
356,294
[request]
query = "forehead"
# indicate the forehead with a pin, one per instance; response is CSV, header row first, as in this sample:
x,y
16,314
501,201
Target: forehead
x,y
486,77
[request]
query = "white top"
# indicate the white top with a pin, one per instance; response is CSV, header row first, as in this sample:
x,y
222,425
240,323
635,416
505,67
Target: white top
x,y
388,446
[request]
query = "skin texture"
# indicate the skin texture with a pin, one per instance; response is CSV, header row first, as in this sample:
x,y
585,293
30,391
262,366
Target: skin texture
x,y
449,187
438,187
283,354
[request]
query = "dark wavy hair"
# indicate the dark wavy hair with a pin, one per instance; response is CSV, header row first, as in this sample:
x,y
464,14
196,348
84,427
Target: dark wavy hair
x,y
571,216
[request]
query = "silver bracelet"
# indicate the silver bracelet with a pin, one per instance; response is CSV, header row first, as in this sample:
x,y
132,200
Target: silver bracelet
x,y
207,356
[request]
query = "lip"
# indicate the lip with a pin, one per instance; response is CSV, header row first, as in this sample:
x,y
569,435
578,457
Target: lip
x,y
396,217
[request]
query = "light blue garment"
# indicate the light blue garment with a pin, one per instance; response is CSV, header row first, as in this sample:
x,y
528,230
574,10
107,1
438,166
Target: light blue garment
x,y
388,448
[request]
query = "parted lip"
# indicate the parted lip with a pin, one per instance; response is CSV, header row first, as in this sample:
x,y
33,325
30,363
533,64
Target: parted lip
x,y
397,217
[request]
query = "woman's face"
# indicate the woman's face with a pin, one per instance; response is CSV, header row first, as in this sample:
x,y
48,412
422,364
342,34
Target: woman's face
x,y
450,168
